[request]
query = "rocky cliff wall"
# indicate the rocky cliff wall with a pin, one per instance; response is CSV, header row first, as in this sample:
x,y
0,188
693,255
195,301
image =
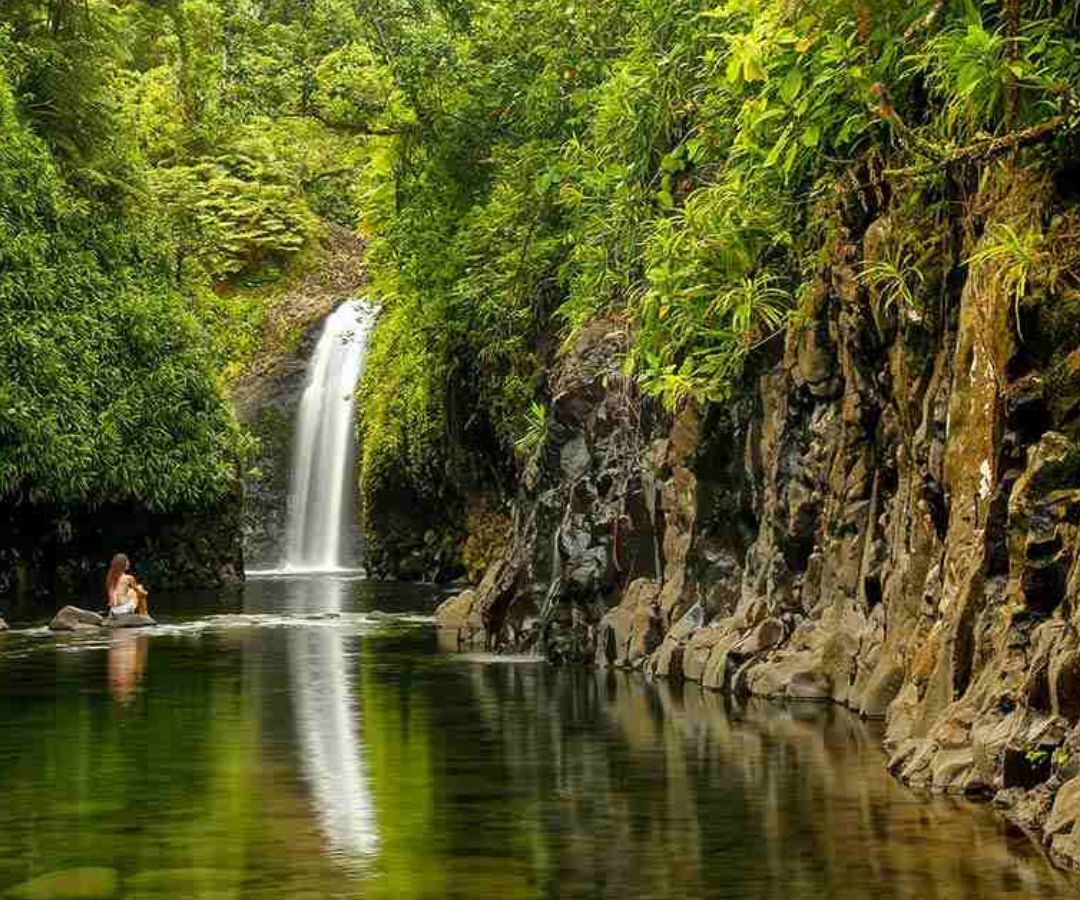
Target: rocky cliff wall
x,y
888,518
266,404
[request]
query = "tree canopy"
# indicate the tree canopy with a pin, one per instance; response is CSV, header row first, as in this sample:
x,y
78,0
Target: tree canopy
x,y
669,165
156,160
519,168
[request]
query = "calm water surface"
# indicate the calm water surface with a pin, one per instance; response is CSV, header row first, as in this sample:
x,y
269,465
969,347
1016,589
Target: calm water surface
x,y
308,740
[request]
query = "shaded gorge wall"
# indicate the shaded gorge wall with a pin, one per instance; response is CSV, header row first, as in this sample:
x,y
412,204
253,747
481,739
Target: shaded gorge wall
x,y
883,515
266,403
52,554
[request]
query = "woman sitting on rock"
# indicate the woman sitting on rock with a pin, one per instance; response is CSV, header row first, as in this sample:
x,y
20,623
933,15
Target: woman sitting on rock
x,y
122,592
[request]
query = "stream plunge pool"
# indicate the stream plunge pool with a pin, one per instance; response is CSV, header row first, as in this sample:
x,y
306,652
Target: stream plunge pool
x,y
307,739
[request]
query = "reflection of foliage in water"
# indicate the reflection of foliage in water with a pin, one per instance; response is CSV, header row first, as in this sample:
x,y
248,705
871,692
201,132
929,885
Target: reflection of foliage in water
x,y
406,761
487,779
165,782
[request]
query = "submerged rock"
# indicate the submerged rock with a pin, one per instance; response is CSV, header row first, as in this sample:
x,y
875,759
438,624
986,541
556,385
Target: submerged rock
x,y
186,882
71,618
68,884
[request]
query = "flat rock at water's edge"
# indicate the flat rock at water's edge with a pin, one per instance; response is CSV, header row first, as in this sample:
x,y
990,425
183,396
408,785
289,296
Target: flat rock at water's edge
x,y
71,618
129,620
3,625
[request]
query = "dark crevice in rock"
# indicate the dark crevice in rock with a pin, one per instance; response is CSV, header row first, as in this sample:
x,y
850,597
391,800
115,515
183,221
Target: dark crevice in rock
x,y
1026,768
963,661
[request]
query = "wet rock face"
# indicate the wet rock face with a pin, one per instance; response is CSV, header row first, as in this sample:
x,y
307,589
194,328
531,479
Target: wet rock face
x,y
266,403
890,520
585,523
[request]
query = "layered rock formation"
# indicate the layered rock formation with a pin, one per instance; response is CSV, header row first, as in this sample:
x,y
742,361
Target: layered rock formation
x,y
887,520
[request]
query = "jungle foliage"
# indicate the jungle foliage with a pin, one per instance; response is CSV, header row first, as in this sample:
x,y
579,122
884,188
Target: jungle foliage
x,y
519,167
663,163
157,161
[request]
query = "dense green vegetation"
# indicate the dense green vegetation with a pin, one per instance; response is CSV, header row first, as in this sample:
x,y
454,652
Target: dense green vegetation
x,y
520,168
158,163
670,165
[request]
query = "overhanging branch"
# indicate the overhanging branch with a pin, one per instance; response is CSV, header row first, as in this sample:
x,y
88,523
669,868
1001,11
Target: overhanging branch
x,y
991,148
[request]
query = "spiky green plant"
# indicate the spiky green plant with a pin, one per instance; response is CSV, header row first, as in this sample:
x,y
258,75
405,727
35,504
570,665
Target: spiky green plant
x,y
895,284
1016,257
535,433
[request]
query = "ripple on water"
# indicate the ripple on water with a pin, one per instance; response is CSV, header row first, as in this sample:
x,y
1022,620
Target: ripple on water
x,y
22,642
286,759
507,659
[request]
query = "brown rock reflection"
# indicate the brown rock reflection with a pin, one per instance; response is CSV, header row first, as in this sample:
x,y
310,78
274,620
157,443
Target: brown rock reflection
x,y
654,790
276,744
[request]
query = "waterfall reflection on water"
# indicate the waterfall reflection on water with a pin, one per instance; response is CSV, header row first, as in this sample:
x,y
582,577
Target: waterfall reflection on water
x,y
272,750
328,721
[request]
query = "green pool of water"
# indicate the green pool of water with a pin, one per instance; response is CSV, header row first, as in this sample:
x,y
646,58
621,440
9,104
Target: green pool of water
x,y
307,739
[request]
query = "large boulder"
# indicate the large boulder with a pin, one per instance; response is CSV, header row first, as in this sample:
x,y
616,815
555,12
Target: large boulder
x,y
631,631
71,618
459,623
129,620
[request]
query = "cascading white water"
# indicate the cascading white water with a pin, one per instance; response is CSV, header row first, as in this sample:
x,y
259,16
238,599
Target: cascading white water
x,y
321,482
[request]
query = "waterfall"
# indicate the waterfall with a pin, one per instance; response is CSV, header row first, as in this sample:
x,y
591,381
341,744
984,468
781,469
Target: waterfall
x,y
322,486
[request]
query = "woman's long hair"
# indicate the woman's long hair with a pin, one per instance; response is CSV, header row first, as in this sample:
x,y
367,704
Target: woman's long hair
x,y
117,568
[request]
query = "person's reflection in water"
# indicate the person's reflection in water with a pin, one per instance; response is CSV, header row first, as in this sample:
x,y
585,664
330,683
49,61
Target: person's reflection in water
x,y
127,660
328,719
